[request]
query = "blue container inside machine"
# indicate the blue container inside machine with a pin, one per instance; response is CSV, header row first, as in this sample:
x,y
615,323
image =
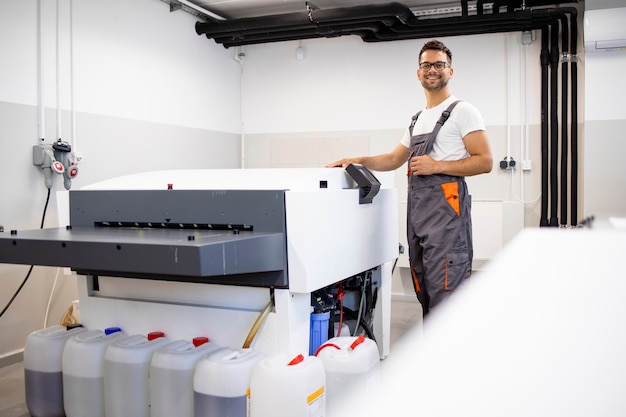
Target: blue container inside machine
x,y
319,330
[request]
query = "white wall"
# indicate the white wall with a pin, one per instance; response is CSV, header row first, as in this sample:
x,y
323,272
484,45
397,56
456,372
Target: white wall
x,y
146,92
604,171
347,84
131,59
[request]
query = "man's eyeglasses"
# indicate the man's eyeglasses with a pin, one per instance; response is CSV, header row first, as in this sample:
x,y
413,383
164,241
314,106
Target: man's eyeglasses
x,y
439,65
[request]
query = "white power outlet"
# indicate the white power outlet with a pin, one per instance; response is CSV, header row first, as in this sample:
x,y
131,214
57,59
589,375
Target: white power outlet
x,y
526,165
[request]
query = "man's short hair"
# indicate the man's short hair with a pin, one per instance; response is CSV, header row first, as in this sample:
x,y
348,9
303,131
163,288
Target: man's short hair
x,y
437,46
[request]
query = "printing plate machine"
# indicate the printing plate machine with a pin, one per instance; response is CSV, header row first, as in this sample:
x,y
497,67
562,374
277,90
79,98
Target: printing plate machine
x,y
206,252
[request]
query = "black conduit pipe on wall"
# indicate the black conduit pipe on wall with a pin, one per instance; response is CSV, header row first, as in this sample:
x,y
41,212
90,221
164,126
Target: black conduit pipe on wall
x,y
569,48
564,119
570,52
574,115
545,61
554,122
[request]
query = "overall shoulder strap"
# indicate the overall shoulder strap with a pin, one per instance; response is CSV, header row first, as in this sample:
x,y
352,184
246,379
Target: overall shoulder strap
x,y
444,116
413,120
430,141
442,119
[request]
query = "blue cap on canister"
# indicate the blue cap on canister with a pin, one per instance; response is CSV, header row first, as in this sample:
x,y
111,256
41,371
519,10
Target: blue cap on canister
x,y
111,330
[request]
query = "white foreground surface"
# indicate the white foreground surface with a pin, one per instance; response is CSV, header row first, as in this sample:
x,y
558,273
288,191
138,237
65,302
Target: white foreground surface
x,y
540,332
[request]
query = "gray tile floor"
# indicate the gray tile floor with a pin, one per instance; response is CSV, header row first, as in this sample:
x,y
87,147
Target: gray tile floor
x,y
405,315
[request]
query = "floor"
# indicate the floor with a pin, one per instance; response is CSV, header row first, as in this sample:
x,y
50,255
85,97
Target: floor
x,y
405,315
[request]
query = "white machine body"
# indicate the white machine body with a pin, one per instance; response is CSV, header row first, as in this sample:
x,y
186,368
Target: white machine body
x,y
326,236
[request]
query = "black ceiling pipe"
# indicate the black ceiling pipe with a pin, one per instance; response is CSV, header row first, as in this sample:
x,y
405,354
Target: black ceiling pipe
x,y
392,14
515,18
315,32
298,33
455,26
360,13
520,20
371,31
303,28
492,23
386,35
388,13
258,39
213,28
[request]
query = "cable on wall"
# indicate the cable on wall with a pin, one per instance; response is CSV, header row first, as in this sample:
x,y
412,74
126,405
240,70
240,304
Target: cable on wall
x,y
30,270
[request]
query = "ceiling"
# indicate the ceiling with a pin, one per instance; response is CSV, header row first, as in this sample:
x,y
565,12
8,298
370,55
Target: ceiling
x,y
237,9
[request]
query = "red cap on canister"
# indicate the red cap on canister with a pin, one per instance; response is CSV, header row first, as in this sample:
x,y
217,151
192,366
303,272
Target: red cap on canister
x,y
357,342
296,360
200,340
155,335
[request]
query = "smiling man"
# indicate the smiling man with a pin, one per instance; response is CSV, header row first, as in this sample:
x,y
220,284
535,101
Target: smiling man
x,y
445,142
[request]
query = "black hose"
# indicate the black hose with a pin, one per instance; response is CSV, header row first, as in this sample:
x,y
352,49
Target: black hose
x,y
17,292
43,218
366,328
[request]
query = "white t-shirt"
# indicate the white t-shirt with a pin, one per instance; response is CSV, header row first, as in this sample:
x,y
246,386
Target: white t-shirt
x,y
449,146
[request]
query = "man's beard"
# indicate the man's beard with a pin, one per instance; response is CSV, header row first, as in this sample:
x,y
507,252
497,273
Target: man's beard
x,y
440,85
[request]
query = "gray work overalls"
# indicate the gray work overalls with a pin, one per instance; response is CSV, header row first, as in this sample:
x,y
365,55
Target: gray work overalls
x,y
439,228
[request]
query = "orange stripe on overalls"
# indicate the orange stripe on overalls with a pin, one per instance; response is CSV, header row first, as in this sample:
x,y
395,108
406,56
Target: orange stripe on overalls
x,y
415,281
